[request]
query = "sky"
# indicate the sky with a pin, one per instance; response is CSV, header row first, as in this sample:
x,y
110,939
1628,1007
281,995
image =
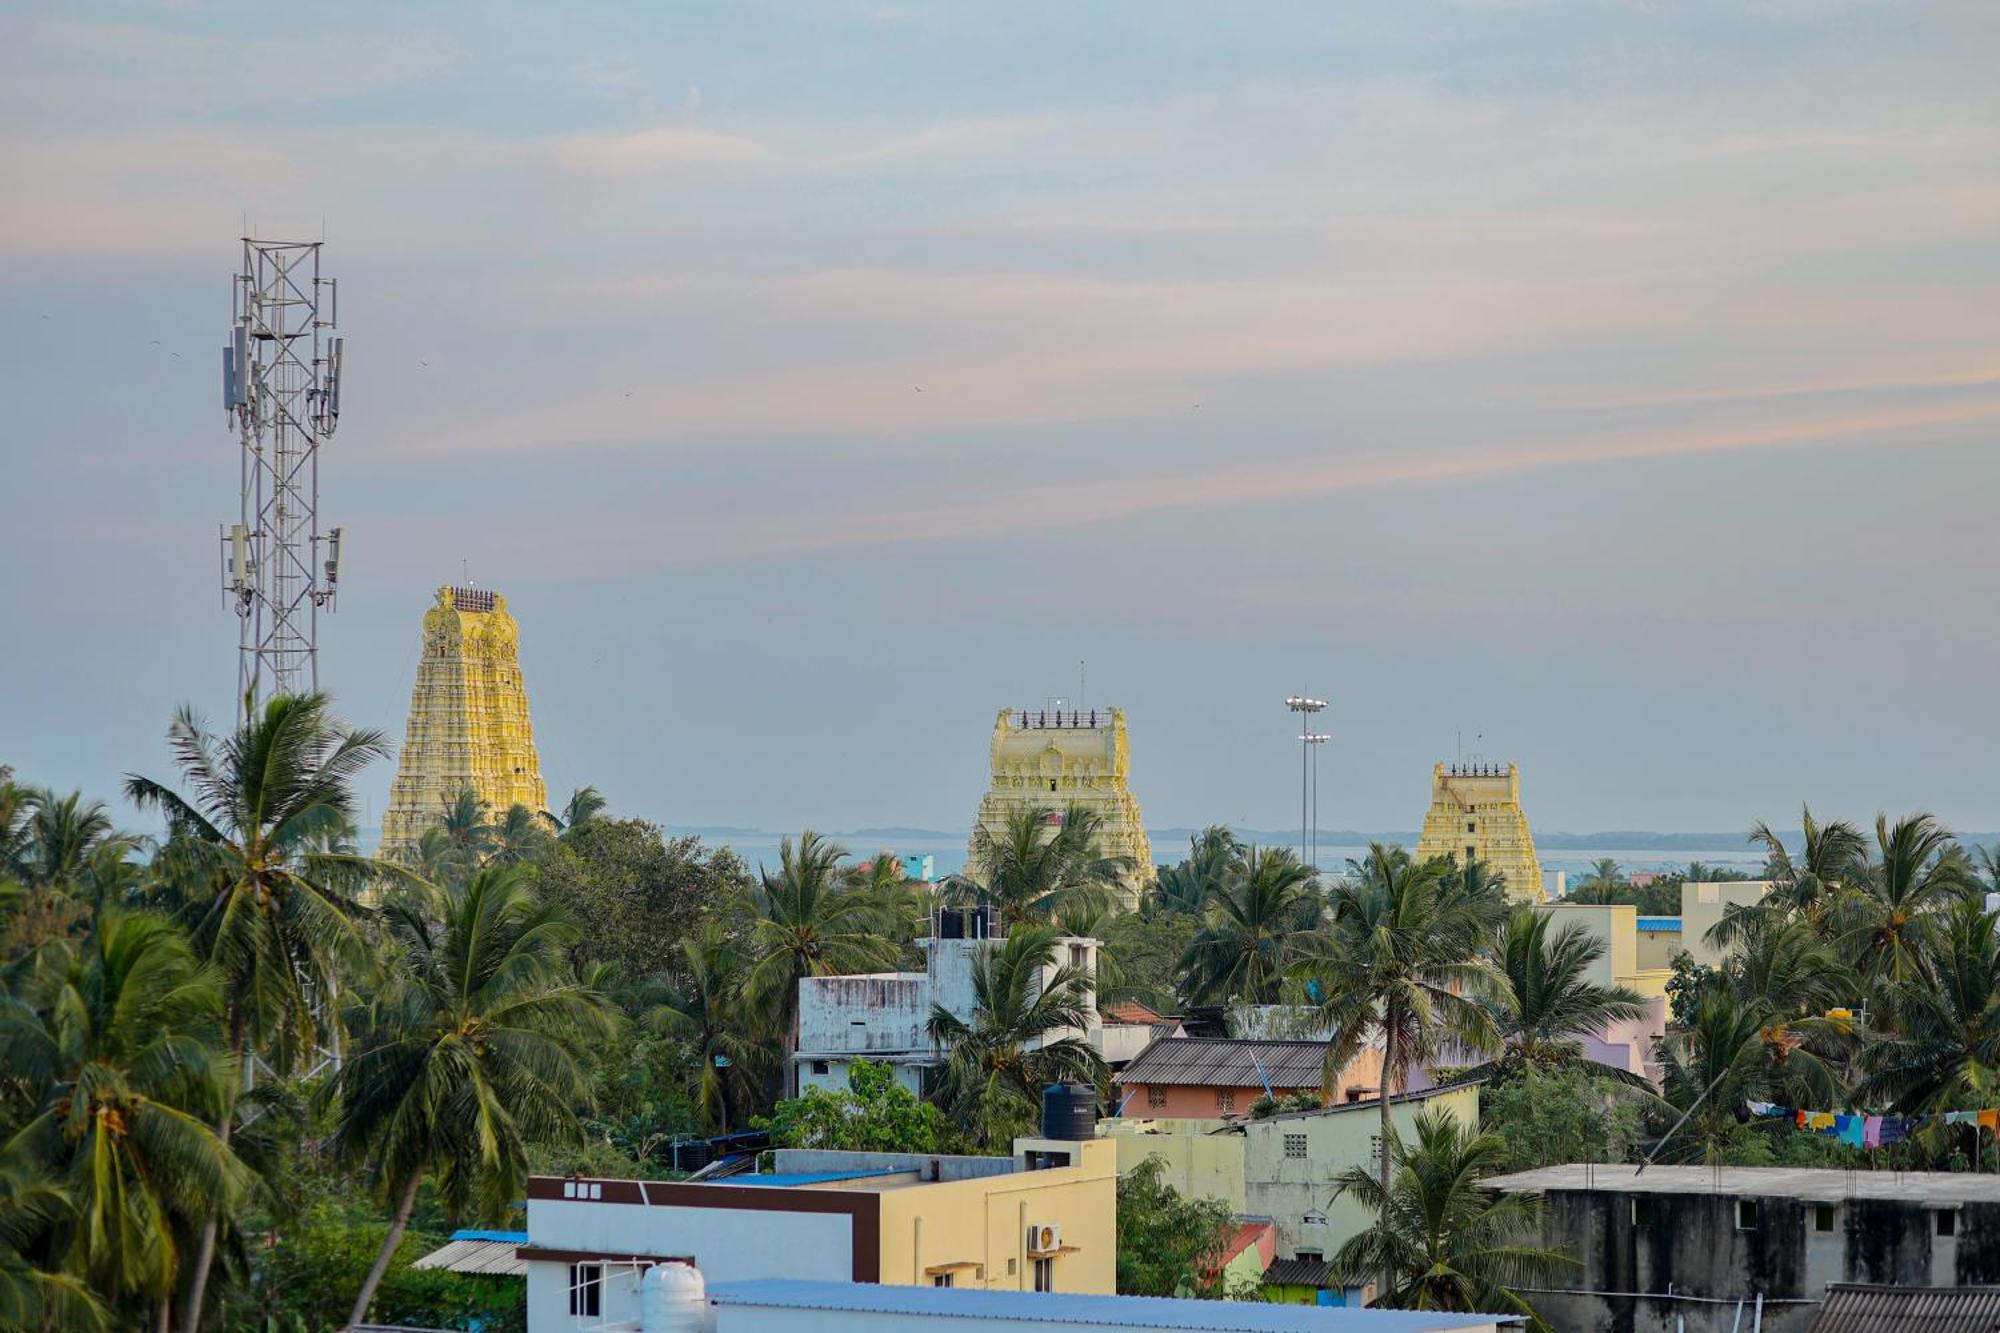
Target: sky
x,y
1608,387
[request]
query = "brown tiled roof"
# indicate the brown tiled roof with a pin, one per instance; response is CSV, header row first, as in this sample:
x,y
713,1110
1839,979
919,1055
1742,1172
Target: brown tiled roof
x,y
1131,1011
1852,1307
1218,1063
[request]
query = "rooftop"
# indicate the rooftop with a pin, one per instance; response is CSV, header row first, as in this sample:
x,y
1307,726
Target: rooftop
x,y
1852,1307
1228,1063
1659,923
1090,1311
1812,1184
798,1179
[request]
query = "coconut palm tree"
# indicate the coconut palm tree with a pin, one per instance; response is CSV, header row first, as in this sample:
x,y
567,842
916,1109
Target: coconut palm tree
x,y
810,921
584,807
1947,1055
1251,920
250,870
1184,889
517,835
1443,1242
1883,921
1602,885
114,1044
706,1009
1830,855
1025,1031
62,837
1737,1049
1543,1000
1041,861
32,1205
1396,964
476,1052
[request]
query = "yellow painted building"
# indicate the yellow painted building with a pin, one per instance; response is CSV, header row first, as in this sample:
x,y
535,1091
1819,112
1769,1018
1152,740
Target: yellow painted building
x,y
469,724
993,1231
1476,812
1058,757
1195,1158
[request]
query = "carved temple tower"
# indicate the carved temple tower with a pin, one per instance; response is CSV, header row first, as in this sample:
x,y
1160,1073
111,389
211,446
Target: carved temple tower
x,y
469,722
1476,813
1062,757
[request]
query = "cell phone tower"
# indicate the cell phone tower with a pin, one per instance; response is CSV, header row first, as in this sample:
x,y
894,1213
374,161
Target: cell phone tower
x,y
281,384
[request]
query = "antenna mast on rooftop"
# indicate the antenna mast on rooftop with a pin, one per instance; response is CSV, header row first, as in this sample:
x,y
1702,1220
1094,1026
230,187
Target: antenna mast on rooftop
x,y
281,385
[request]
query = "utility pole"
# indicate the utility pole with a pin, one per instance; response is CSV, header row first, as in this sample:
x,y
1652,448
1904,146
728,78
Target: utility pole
x,y
1305,706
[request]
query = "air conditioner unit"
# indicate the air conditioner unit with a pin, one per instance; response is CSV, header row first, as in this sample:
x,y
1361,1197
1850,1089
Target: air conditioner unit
x,y
1044,1238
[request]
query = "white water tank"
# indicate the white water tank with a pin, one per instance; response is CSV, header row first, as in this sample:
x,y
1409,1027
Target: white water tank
x,y
672,1299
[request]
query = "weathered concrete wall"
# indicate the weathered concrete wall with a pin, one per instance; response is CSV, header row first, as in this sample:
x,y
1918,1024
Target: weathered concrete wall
x,y
864,1015
1650,1260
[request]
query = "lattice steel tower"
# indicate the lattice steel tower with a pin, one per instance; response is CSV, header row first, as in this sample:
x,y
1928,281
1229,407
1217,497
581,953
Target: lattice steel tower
x,y
281,383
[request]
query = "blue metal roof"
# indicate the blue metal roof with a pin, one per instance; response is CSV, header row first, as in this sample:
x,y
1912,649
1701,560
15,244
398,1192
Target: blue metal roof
x,y
789,1179
1153,1312
1659,923
506,1237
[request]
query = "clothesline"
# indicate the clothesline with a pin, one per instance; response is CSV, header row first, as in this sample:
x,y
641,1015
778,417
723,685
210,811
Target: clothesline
x,y
1872,1131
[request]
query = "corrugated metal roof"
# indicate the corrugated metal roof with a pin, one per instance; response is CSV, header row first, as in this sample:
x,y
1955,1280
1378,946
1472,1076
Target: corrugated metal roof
x,y
1298,1272
477,1255
1211,1062
1859,1308
1659,923
1155,1312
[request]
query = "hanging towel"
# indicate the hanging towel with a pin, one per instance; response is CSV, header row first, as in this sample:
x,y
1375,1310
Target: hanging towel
x,y
1896,1128
1990,1120
1819,1121
1871,1132
1799,1119
1848,1129
1961,1117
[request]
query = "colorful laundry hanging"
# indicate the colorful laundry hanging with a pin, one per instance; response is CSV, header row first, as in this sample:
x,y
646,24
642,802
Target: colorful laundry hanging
x,y
1872,1131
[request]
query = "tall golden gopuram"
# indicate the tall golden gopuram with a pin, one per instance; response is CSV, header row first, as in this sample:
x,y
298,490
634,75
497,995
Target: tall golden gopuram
x,y
1476,814
469,722
1059,757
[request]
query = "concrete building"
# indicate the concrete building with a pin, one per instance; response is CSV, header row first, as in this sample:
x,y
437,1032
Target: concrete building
x,y
1193,1078
1201,1159
468,724
1476,814
1290,1159
1628,1043
1056,758
1676,1249
1044,1219
880,1016
827,1307
1703,905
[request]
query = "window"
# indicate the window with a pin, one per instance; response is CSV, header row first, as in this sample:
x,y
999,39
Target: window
x,y
944,1279
1052,784
586,1290
1642,1212
1375,1153
819,1067
1746,1214
1079,958
1471,827
1011,1269
1309,1256
1822,1217
1295,1147
1947,1221
1045,1275
1225,1099
1471,854
1156,1097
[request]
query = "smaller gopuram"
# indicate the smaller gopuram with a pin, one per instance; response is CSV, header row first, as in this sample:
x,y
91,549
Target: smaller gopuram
x,y
1476,814
469,724
1059,757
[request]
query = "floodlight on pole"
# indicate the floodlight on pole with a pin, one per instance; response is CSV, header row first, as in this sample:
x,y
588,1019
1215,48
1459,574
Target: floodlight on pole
x,y
1305,706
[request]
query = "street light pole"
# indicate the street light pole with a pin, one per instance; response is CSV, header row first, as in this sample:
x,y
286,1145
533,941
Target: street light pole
x,y
1305,706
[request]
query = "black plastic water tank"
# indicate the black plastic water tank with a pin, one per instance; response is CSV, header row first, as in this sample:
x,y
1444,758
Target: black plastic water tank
x,y
692,1154
1069,1111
